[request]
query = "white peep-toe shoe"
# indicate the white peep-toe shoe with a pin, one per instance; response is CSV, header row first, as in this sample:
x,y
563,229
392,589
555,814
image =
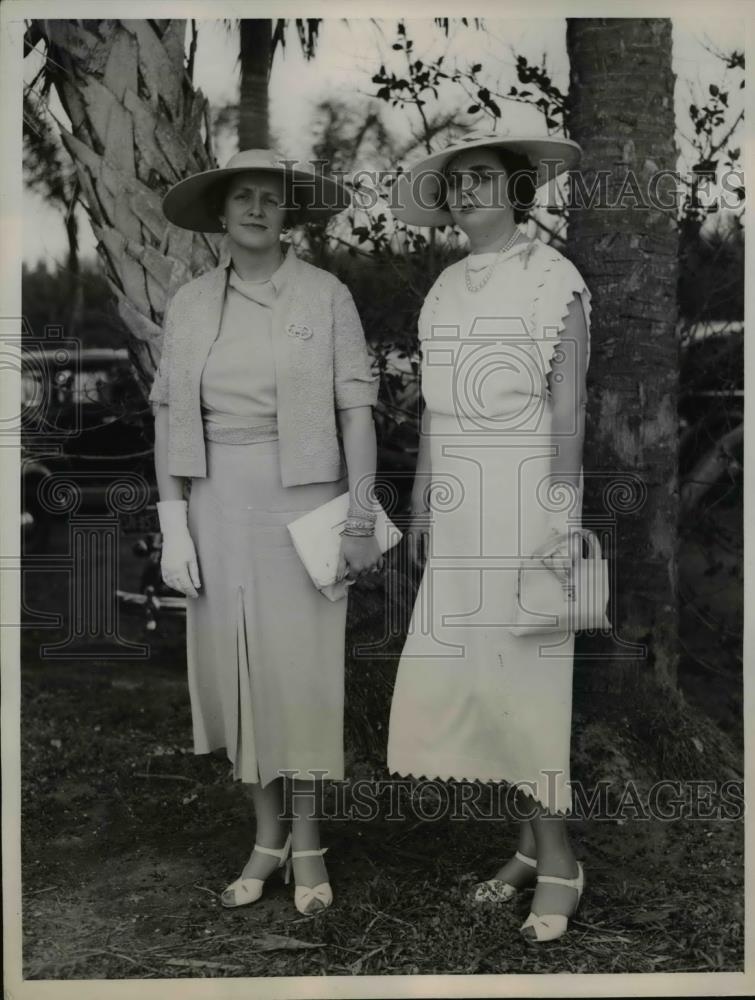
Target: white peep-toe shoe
x,y
550,926
319,897
495,890
248,890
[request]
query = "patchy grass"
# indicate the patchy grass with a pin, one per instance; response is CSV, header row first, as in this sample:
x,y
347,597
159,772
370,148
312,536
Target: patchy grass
x,y
128,839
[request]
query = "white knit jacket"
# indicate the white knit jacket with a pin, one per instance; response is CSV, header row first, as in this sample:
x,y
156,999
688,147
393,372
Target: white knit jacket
x,y
321,364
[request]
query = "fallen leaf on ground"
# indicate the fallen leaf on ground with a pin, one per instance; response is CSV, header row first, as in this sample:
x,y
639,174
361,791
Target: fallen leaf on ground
x,y
195,963
273,942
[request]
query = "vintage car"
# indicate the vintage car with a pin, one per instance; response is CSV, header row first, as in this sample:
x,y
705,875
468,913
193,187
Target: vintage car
x,y
87,437
82,422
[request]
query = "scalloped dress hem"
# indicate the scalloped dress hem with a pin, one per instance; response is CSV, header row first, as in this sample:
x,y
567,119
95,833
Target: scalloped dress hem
x,y
470,770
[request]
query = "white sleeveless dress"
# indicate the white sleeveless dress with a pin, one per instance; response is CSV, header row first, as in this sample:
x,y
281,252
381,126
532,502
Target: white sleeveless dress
x,y
472,701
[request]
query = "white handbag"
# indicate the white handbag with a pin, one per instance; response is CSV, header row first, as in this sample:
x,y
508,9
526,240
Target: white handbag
x,y
544,606
316,536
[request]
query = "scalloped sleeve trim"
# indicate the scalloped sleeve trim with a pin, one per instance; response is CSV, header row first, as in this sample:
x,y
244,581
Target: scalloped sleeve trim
x,y
558,283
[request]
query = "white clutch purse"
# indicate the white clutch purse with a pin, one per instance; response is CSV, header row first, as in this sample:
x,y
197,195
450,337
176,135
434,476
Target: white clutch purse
x,y
545,607
316,536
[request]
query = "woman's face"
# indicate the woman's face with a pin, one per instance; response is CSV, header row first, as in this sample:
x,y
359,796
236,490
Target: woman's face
x,y
477,198
252,211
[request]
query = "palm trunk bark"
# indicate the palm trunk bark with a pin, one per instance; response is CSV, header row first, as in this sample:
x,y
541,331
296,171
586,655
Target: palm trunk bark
x,y
136,127
255,50
621,112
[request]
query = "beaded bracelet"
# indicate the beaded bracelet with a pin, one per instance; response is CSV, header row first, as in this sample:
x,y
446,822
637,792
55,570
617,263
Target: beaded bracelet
x,y
361,522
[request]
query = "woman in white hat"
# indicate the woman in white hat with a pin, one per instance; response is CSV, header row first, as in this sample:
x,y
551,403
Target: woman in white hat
x,y
263,400
504,337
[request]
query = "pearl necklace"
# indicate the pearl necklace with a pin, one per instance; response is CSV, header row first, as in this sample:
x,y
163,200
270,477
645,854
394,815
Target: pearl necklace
x,y
489,271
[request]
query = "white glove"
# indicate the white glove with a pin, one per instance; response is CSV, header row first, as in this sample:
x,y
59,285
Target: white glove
x,y
178,563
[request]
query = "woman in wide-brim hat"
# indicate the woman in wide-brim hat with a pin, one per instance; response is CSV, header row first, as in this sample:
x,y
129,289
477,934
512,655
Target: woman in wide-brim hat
x,y
504,336
263,400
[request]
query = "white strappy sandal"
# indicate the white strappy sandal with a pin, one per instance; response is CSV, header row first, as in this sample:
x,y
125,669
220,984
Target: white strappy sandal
x,y
319,897
244,891
550,926
495,890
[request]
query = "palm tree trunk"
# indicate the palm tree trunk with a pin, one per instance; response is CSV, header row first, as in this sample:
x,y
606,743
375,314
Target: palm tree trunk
x,y
255,51
621,111
136,127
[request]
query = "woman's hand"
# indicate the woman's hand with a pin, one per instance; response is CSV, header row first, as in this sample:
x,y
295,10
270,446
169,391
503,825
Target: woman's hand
x,y
179,566
178,560
359,556
558,547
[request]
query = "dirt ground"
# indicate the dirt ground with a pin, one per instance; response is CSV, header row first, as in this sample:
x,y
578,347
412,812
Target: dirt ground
x,y
128,839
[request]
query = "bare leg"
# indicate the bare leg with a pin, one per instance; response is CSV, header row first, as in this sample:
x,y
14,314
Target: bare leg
x,y
306,797
514,871
554,857
271,829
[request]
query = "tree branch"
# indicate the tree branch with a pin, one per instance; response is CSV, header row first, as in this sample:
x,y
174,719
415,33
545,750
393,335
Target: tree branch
x,y
710,468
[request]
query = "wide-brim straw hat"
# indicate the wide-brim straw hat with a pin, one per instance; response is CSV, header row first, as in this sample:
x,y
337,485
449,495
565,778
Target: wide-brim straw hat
x,y
417,192
316,195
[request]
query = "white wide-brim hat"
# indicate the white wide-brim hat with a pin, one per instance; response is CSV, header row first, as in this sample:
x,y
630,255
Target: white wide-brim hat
x,y
417,192
315,194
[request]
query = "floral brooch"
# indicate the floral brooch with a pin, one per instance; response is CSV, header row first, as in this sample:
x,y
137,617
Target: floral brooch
x,y
300,330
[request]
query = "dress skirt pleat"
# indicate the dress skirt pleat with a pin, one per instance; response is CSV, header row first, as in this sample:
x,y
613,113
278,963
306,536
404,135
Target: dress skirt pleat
x,y
265,650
